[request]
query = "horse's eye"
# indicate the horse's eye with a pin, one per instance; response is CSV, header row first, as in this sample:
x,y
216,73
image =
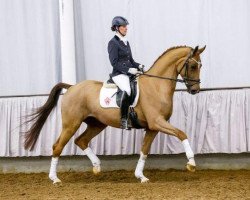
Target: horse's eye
x,y
193,67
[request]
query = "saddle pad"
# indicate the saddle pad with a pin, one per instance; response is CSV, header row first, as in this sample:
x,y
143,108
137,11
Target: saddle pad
x,y
108,96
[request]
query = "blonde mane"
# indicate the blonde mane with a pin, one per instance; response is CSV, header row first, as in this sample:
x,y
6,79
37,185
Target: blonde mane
x,y
169,49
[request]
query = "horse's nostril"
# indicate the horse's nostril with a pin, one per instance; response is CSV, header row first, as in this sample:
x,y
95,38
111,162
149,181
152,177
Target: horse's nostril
x,y
193,91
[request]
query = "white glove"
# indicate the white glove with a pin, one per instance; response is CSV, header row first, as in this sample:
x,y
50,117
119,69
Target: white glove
x,y
141,67
133,71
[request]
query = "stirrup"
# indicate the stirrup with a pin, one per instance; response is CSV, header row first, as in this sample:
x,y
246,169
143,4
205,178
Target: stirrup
x,y
125,125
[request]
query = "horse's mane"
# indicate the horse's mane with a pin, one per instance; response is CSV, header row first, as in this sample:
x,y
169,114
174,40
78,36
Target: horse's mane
x,y
169,49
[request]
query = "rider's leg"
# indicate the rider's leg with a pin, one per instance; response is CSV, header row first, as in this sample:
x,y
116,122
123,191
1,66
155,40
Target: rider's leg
x,y
124,110
122,81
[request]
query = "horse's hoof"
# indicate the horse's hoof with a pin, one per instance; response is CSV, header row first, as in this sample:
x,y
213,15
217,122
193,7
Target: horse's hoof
x,y
57,182
190,167
96,170
144,180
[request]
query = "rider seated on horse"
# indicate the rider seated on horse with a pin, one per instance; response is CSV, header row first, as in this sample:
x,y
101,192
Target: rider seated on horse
x,y
124,66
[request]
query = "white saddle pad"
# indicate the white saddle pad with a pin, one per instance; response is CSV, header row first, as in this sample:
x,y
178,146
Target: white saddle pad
x,y
108,96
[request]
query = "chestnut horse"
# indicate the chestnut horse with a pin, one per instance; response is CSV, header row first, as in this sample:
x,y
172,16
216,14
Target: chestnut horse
x,y
81,104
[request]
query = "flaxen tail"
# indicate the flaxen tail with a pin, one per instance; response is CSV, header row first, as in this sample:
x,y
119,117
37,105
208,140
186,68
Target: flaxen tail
x,y
41,114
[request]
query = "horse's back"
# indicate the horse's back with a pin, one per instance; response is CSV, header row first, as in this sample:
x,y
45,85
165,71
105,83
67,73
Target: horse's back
x,y
89,83
86,85
79,92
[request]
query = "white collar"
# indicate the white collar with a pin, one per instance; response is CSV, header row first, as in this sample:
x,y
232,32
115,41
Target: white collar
x,y
122,38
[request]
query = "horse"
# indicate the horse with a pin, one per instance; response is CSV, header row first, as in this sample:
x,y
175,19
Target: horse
x,y
80,103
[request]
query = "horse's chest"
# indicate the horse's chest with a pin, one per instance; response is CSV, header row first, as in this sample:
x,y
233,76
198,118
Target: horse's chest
x,y
166,108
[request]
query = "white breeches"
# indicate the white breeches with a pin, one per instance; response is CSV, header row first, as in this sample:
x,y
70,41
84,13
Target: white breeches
x,y
122,81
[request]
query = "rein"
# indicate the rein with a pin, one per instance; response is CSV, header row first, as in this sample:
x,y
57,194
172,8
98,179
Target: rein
x,y
185,78
166,78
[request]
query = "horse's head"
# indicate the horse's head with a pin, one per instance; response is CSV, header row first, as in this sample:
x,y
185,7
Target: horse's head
x,y
189,69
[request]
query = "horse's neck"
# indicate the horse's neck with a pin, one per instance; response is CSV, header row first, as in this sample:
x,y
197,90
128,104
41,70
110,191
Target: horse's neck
x,y
166,66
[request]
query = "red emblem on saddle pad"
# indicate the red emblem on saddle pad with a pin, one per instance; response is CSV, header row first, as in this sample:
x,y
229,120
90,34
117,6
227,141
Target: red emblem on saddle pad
x,y
107,100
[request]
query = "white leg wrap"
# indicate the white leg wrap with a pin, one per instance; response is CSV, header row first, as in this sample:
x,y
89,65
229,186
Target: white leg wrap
x,y
91,155
52,172
94,159
189,152
140,167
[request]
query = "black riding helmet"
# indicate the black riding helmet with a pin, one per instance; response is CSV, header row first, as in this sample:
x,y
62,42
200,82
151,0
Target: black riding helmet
x,y
118,21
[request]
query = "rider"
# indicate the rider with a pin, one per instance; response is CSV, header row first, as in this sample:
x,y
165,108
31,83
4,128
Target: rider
x,y
124,66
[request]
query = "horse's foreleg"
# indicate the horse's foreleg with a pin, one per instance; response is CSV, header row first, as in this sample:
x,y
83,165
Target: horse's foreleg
x,y
147,141
94,128
162,125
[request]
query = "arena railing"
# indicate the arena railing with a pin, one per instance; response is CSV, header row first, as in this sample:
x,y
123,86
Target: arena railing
x,y
177,90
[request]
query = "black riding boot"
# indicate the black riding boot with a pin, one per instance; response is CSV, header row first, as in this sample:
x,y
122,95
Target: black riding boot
x,y
124,110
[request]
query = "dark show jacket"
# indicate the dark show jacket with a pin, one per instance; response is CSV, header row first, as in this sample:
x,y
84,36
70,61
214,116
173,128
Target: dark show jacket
x,y
120,57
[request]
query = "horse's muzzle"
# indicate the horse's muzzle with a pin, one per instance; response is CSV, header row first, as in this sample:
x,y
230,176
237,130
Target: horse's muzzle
x,y
192,91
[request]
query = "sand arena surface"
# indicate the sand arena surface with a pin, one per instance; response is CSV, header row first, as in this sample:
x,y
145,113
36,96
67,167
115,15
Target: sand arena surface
x,y
169,184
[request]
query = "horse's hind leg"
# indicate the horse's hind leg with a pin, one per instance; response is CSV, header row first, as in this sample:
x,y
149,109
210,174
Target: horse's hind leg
x,y
94,128
147,141
69,129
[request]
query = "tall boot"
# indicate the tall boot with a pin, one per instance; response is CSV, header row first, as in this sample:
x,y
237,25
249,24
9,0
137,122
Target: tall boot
x,y
124,110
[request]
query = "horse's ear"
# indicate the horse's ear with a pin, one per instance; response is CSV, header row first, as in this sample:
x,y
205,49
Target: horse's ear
x,y
201,50
195,50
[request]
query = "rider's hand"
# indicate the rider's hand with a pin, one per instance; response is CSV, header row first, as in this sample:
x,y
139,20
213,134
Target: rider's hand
x,y
133,71
141,67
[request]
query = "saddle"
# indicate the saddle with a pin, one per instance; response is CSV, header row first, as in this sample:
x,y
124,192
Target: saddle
x,y
133,86
110,97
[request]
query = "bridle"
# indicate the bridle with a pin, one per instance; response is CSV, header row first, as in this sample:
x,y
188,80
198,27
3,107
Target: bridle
x,y
185,79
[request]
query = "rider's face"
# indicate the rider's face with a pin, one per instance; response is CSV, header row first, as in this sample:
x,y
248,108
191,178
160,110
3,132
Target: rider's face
x,y
123,30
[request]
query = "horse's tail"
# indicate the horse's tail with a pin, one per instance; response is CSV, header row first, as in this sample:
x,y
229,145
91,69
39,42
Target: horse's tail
x,y
41,114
